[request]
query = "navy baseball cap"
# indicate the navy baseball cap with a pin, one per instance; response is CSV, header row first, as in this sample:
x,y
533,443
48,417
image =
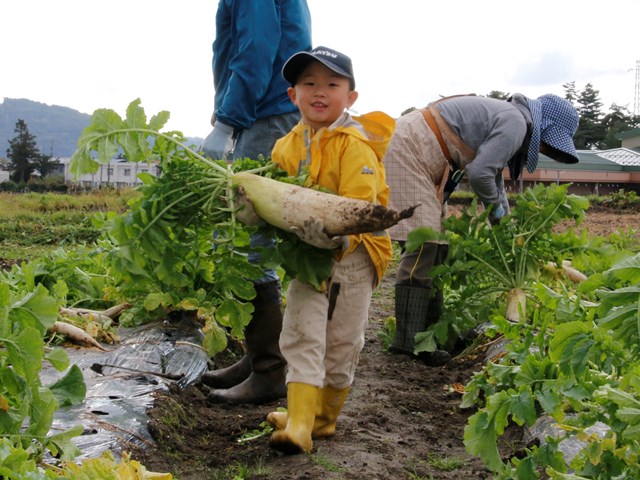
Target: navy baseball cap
x,y
332,59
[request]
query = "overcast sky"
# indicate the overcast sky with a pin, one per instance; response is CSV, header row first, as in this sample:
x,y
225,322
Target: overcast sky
x,y
90,54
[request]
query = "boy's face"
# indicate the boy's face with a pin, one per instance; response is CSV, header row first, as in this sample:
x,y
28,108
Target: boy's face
x,y
321,95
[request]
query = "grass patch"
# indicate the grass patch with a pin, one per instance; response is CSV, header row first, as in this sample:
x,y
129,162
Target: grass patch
x,y
445,464
16,204
34,224
321,460
241,471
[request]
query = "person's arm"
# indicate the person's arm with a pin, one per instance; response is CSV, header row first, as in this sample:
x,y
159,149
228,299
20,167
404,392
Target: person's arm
x,y
257,31
484,173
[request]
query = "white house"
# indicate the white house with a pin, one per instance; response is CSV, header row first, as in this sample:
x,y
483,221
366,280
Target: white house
x,y
630,138
117,173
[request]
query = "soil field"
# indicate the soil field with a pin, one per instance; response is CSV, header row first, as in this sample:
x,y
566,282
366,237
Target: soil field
x,y
401,420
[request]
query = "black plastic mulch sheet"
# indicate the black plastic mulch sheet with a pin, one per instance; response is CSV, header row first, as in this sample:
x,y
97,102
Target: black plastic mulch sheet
x,y
121,382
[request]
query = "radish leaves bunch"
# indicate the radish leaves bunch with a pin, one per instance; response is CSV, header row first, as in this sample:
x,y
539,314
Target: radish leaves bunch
x,y
180,245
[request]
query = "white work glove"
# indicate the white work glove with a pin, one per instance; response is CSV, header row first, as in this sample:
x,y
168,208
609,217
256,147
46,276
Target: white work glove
x,y
219,143
245,211
312,232
497,212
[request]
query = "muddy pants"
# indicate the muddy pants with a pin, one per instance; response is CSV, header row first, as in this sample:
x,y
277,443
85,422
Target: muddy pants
x,y
323,333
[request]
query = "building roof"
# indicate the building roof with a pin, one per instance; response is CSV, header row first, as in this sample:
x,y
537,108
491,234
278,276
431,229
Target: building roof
x,y
623,156
617,159
634,132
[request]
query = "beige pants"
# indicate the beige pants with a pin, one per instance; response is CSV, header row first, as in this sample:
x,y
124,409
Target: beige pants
x,y
323,334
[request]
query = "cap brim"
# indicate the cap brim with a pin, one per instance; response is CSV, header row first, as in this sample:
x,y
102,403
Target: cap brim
x,y
295,65
561,143
299,61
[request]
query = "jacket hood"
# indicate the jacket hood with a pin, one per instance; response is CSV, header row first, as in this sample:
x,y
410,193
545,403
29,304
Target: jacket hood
x,y
378,127
374,128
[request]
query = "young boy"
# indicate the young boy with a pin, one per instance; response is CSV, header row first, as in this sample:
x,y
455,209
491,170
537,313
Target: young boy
x,y
323,332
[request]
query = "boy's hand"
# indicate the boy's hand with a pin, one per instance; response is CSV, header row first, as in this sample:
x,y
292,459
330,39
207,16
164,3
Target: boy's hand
x,y
245,212
312,232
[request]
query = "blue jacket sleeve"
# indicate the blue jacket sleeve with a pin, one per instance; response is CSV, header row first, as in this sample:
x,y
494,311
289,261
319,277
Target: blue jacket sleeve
x,y
247,38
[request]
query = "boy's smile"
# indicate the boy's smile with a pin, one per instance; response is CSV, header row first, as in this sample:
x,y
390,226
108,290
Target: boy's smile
x,y
321,95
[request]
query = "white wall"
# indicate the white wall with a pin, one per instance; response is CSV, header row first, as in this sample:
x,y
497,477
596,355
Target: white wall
x,y
632,142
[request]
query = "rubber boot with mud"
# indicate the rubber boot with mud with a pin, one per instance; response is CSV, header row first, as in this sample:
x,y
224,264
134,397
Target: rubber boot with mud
x,y
266,379
418,304
295,437
416,309
230,376
411,307
328,408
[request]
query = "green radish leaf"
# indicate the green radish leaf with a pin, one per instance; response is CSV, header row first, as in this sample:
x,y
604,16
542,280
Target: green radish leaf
x,y
523,410
622,321
629,415
70,389
159,120
12,382
632,433
234,315
62,446
15,462
526,468
43,406
621,398
58,358
154,300
421,235
550,400
571,345
627,270
302,261
171,272
425,342
37,308
215,340
621,296
241,288
480,439
26,351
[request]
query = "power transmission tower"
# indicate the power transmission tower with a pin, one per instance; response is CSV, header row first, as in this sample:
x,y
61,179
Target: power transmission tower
x,y
636,98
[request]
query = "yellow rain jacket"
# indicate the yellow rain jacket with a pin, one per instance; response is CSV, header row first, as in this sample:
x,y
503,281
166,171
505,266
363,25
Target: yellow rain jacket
x,y
345,158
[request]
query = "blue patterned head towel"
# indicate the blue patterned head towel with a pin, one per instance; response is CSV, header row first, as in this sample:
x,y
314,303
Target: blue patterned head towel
x,y
555,121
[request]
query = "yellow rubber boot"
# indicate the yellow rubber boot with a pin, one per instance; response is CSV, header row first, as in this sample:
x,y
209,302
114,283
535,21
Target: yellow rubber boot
x,y
278,420
295,437
328,408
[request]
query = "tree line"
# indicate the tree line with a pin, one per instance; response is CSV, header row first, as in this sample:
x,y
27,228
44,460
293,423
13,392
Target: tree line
x,y
25,157
597,129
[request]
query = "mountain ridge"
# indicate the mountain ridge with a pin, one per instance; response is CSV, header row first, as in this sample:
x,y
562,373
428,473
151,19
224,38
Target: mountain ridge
x,y
56,127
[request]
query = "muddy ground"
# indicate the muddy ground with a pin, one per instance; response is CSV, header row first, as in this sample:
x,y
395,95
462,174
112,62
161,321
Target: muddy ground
x,y
402,419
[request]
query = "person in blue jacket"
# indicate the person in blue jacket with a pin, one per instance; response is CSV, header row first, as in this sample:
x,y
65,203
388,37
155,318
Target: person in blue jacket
x,y
251,111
